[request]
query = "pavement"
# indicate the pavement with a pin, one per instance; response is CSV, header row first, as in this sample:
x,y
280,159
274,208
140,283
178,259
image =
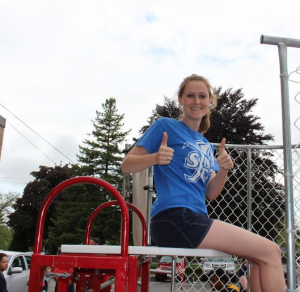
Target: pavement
x,y
158,286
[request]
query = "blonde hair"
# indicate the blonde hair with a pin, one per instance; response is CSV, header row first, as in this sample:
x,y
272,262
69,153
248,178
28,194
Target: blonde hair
x,y
205,122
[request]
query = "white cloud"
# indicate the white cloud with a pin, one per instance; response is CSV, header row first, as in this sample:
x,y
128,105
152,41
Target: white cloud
x,y
61,60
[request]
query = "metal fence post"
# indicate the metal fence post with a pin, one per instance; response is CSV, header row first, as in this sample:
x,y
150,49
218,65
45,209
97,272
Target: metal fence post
x,y
126,181
249,189
282,44
249,202
150,193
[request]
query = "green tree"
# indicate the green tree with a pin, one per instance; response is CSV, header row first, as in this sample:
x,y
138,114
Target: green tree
x,y
233,120
281,239
6,203
100,156
23,221
6,235
73,210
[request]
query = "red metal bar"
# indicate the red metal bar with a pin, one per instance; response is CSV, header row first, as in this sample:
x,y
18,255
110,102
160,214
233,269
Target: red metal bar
x,y
78,180
182,275
92,217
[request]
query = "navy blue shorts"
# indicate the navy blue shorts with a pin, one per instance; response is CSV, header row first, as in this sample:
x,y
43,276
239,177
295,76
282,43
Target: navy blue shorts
x,y
179,227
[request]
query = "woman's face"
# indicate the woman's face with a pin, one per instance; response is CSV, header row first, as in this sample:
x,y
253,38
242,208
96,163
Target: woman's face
x,y
195,101
3,264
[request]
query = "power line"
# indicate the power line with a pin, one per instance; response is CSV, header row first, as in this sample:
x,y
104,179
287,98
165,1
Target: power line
x,y
12,179
33,144
13,182
15,177
37,135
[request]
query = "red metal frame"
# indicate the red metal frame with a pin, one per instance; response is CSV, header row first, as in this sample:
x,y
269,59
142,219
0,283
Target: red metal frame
x,y
87,264
74,181
113,203
134,274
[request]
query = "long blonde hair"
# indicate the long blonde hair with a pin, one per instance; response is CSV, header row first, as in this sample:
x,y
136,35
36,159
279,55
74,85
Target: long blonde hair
x,y
205,122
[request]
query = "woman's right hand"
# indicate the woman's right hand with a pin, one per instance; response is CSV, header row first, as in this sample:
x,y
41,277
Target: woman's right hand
x,y
165,154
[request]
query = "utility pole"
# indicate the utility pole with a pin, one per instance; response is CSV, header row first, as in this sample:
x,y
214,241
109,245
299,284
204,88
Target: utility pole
x,y
2,126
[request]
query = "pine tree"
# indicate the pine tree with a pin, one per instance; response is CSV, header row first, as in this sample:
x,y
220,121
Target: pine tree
x,y
67,216
101,156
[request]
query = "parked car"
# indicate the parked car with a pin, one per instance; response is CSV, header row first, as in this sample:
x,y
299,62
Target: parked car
x,y
17,274
164,268
213,263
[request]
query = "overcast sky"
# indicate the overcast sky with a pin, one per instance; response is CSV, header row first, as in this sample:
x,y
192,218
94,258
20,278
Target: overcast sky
x,y
60,60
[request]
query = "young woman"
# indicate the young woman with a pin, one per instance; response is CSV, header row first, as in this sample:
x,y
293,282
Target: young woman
x,y
185,173
3,267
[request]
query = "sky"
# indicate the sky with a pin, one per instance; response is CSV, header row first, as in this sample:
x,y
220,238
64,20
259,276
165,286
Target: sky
x,y
60,60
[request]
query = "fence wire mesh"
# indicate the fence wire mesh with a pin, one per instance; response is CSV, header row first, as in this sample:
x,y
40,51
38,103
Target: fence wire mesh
x,y
253,198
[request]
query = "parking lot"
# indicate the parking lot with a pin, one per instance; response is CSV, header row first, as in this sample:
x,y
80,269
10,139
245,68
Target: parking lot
x,y
165,286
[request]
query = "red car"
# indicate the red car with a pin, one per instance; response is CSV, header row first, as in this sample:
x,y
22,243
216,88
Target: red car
x,y
164,268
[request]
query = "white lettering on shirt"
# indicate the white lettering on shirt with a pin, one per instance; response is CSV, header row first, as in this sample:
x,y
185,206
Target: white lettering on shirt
x,y
200,160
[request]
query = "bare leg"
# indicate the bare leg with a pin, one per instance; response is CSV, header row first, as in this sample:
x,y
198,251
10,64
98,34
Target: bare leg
x,y
261,251
255,278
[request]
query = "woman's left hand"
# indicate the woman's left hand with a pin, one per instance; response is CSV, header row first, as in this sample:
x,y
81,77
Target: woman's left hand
x,y
224,160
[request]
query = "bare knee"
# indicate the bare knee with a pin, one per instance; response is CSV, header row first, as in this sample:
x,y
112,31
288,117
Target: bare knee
x,y
274,254
278,252
271,255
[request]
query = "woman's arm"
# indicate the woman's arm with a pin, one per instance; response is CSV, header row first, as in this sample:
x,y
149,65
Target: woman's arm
x,y
139,159
216,184
217,181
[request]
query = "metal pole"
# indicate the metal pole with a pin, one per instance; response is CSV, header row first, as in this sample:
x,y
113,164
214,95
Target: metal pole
x,y
149,193
126,181
173,273
2,126
282,44
107,283
249,203
288,166
271,40
249,189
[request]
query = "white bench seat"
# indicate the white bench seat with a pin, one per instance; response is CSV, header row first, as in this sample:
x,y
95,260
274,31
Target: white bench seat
x,y
144,251
141,250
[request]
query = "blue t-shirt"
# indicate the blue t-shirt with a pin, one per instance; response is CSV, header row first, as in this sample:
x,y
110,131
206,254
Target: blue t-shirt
x,y
182,183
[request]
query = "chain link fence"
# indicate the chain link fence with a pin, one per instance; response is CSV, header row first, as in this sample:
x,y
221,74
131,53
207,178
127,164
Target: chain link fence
x,y
253,198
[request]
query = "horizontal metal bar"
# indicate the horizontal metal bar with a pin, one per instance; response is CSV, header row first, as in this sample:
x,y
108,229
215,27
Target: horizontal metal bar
x,y
107,283
271,40
229,146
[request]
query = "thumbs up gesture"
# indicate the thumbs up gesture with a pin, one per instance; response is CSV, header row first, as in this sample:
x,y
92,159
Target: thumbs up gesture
x,y
224,160
165,154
